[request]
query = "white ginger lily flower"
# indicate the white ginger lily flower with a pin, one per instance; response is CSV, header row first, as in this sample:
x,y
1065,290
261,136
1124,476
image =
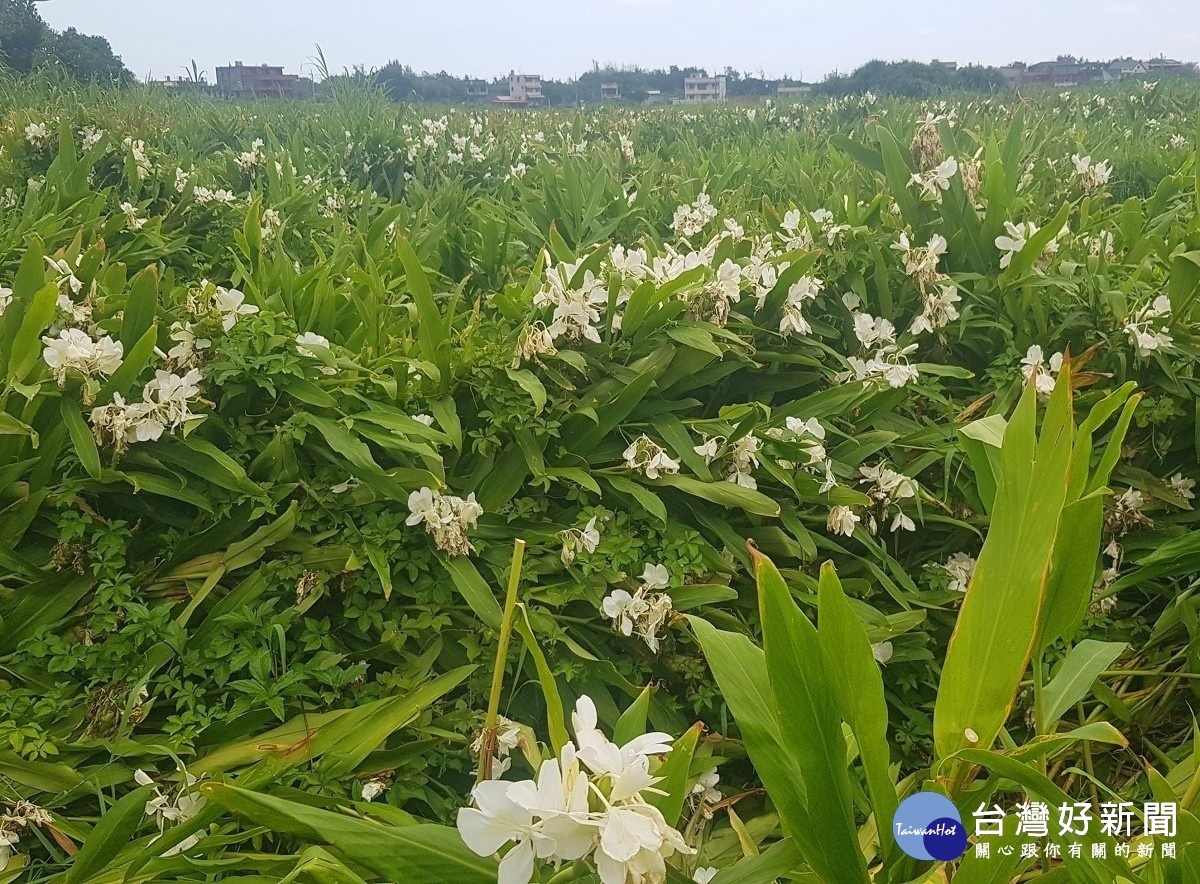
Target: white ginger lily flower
x,y
656,577
231,304
842,520
627,765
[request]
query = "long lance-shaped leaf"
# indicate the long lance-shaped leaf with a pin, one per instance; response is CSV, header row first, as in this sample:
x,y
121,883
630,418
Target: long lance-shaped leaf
x,y
346,735
766,868
432,335
555,715
1074,678
741,673
1073,566
809,720
423,852
113,831
993,639
857,686
1088,868
673,776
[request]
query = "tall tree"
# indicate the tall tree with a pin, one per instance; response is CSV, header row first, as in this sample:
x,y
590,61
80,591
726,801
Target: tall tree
x,y
22,32
85,57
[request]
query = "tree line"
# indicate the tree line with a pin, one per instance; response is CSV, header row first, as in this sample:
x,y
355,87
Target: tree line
x,y
28,44
905,78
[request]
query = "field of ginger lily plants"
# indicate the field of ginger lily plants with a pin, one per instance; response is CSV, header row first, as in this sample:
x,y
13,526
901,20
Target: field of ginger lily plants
x,y
614,495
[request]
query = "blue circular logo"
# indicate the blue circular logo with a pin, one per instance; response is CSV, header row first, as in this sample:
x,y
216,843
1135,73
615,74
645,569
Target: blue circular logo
x,y
928,826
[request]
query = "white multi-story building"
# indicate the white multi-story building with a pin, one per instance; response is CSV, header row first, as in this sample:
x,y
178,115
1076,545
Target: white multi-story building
x,y
525,89
703,89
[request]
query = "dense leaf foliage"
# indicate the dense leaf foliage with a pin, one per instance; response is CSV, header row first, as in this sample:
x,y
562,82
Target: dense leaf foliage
x,y
283,383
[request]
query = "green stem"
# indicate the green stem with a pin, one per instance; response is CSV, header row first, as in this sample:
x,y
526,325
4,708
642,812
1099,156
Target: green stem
x,y
1193,790
1039,682
573,872
1149,673
1087,755
487,744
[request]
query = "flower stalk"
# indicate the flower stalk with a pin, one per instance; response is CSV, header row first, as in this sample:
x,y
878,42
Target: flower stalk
x,y
487,744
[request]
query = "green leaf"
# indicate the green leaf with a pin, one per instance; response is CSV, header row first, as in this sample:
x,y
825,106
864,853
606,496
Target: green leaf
x,y
307,392
1075,675
579,476
112,832
165,486
1095,732
447,417
1072,570
431,327
772,864
694,337
804,705
1023,261
647,297
209,463
981,440
136,359
423,852
40,604
998,867
555,714
40,776
898,173
346,735
632,722
26,345
686,598
474,589
857,686
1112,451
358,733
528,381
726,494
81,437
648,500
741,673
140,306
379,561
1184,282
30,278
992,641
558,246
674,776
867,156
10,426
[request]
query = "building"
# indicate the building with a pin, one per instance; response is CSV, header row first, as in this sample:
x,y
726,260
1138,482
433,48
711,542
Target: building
x,y
655,96
1162,65
1066,70
261,81
791,90
477,92
524,90
703,89
1122,68
178,85
610,91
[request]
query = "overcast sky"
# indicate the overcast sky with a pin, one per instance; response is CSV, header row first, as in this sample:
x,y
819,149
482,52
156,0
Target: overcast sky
x,y
559,39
